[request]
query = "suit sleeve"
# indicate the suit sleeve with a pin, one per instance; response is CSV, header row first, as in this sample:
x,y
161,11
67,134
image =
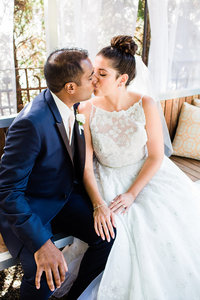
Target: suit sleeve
x,y
21,151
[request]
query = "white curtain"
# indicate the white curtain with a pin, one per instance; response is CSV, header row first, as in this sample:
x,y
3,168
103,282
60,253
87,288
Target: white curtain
x,y
8,103
88,24
174,58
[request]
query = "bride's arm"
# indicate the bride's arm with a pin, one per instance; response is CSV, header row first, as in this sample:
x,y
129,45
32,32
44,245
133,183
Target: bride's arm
x,y
155,148
103,216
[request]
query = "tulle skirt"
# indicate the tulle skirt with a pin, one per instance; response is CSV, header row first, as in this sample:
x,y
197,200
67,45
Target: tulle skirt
x,y
156,254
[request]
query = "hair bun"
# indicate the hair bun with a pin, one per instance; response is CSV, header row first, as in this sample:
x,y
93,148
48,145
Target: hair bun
x,y
124,43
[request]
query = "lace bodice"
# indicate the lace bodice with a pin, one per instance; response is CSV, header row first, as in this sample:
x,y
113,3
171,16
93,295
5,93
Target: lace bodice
x,y
119,137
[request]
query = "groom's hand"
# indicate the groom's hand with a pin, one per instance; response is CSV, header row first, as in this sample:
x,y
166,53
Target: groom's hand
x,y
104,222
50,260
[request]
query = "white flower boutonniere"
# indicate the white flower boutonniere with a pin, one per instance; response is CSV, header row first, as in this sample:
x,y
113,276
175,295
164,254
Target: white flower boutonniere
x,y
80,118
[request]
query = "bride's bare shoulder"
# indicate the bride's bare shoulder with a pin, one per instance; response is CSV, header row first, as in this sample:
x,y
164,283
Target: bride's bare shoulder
x,y
136,97
85,107
97,101
147,101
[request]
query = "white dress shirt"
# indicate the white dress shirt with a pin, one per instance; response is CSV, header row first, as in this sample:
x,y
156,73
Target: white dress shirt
x,y
66,115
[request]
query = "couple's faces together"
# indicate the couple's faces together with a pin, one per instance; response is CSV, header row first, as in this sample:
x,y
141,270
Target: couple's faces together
x,y
101,78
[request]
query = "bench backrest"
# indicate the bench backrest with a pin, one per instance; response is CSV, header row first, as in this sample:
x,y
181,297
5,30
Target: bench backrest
x,y
171,109
5,122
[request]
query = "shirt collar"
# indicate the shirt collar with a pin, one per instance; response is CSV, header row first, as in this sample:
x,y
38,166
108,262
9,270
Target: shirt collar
x,y
64,110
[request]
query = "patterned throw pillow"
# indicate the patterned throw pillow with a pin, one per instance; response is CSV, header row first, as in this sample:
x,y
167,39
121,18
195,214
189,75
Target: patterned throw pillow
x,y
196,102
187,139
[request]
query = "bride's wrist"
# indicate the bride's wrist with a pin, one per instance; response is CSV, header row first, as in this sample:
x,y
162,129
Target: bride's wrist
x,y
99,204
133,193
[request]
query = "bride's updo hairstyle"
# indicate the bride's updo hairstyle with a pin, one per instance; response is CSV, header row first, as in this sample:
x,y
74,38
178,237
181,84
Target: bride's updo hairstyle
x,y
121,53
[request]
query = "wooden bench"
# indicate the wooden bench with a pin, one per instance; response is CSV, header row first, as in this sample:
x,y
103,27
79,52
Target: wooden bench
x,y
61,240
6,259
171,109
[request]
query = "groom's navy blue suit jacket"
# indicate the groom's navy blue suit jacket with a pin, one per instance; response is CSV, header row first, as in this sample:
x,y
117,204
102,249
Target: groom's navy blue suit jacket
x,y
36,173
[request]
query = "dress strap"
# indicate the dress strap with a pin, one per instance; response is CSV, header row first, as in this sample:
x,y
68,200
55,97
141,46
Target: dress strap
x,y
140,101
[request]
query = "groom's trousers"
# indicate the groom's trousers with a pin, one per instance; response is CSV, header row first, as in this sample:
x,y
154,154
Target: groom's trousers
x,y
76,219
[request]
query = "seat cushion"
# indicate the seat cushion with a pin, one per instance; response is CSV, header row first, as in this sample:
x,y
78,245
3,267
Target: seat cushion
x,y
196,102
186,142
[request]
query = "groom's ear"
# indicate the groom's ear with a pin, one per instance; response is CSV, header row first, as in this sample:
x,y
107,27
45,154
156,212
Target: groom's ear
x,y
70,87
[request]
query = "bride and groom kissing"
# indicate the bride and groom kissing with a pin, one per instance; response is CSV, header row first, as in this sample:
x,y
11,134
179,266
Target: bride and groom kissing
x,y
110,186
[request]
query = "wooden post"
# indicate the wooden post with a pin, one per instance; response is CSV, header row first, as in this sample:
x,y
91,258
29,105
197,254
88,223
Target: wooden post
x,y
17,76
146,35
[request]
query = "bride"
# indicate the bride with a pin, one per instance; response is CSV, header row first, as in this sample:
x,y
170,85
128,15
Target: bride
x,y
156,206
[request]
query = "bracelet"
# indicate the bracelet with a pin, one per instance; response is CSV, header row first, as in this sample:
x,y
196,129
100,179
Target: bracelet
x,y
98,206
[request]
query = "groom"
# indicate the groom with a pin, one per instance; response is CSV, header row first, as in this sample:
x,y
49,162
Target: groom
x,y
41,189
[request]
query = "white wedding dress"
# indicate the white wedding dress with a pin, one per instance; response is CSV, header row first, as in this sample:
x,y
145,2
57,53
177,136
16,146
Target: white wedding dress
x,y
156,254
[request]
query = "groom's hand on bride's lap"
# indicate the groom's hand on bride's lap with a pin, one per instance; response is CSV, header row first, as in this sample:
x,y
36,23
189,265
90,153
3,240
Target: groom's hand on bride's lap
x,y
122,203
49,259
104,222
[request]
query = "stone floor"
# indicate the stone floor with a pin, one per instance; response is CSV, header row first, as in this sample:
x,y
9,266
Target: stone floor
x,y
10,280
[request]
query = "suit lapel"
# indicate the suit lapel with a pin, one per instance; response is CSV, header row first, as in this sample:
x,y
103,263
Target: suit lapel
x,y
65,139
59,123
80,144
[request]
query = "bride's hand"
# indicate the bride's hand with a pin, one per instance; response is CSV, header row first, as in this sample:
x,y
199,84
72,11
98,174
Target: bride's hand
x,y
122,203
104,222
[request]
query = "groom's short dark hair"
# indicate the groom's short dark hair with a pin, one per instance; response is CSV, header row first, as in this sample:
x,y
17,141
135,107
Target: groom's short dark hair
x,y
62,66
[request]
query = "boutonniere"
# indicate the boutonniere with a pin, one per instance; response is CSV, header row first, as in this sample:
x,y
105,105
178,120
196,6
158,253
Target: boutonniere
x,y
80,118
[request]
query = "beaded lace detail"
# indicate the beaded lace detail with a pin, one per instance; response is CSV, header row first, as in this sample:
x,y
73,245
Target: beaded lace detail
x,y
119,134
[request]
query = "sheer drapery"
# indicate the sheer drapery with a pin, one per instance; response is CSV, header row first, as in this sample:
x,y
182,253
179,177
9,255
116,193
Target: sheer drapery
x,y
174,58
7,69
89,24
50,9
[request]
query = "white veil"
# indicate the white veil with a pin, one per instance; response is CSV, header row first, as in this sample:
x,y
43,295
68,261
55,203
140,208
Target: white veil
x,y
143,85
